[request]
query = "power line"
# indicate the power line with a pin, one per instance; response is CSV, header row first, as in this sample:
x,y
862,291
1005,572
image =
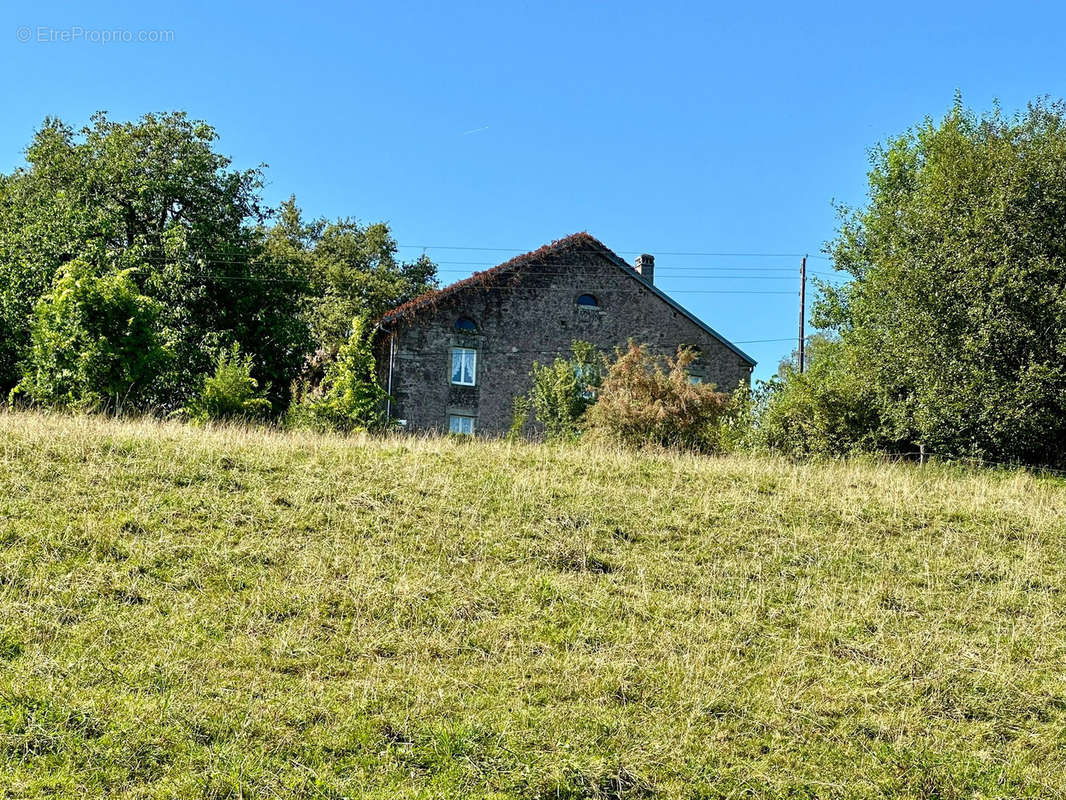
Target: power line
x,y
537,290
694,277
740,267
521,250
764,341
546,268
557,270
561,351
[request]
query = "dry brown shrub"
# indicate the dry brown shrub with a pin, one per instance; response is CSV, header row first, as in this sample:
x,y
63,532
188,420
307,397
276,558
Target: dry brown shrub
x,y
649,401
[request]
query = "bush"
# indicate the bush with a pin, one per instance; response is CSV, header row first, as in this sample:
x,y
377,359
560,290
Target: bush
x,y
827,410
738,427
563,390
640,403
231,393
349,398
94,343
519,417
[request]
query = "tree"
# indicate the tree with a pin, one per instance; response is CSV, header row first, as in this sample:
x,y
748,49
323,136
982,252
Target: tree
x,y
32,246
830,409
815,343
954,321
355,272
563,390
151,194
155,195
94,343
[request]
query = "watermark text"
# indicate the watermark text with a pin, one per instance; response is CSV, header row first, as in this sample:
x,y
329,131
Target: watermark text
x,y
48,34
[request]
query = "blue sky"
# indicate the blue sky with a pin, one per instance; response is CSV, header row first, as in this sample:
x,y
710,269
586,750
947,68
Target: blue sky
x,y
670,128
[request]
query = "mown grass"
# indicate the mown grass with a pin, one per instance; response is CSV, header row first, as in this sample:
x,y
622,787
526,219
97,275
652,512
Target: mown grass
x,y
188,613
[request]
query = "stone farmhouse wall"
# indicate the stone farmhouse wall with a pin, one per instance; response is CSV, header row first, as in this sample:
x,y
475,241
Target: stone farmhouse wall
x,y
533,315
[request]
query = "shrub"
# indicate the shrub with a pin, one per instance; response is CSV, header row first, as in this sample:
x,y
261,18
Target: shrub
x,y
349,397
640,403
827,410
738,425
231,393
519,417
94,343
563,390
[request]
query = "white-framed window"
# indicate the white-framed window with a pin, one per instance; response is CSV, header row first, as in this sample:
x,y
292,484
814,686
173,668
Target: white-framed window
x,y
457,423
464,366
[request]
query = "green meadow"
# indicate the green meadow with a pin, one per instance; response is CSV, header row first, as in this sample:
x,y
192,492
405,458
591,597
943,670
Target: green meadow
x,y
233,613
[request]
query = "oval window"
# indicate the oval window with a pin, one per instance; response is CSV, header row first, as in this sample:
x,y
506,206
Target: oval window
x,y
466,325
588,301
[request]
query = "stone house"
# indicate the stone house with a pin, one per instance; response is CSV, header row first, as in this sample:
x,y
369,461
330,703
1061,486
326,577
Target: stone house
x,y
455,359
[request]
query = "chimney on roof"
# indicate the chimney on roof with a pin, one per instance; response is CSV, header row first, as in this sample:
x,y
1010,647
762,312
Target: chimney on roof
x,y
645,265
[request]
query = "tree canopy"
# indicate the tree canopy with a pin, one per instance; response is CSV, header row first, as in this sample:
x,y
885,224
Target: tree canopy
x,y
952,329
154,202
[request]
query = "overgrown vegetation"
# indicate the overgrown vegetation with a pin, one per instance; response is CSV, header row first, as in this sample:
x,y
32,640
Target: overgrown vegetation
x,y
563,391
231,393
643,402
132,253
94,344
951,334
230,613
349,397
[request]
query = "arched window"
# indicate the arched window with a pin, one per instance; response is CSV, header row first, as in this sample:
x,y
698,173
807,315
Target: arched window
x,y
466,325
588,301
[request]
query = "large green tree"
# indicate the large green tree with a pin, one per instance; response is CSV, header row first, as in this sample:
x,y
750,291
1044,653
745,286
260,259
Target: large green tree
x,y
352,270
152,194
94,343
154,201
356,272
955,317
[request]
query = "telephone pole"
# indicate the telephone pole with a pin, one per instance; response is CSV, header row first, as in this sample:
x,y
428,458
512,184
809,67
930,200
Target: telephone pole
x,y
803,309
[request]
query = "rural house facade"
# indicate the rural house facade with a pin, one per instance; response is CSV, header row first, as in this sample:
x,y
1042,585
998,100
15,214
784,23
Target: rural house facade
x,y
454,359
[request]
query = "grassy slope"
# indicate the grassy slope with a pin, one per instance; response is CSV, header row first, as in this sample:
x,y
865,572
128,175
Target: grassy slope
x,y
189,613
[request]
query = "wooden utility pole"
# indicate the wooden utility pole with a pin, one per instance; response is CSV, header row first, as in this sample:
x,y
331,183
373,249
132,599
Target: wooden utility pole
x,y
803,309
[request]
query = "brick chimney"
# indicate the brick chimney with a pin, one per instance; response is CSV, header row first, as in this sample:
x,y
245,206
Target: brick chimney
x,y
645,265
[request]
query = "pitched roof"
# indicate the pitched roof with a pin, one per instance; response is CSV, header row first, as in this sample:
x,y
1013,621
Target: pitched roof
x,y
486,278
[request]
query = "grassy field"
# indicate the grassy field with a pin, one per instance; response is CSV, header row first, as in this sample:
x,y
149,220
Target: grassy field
x,y
188,613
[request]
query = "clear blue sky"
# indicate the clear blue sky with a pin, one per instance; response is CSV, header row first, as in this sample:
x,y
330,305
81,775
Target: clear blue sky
x,y
666,128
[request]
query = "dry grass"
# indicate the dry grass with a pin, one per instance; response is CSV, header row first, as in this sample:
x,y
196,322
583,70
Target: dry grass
x,y
189,613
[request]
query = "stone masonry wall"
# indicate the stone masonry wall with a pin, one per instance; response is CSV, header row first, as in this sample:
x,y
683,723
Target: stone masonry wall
x,y
534,316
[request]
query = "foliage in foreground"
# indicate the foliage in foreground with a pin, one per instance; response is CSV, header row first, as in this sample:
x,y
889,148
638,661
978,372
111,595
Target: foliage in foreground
x,y
94,344
151,205
563,391
828,410
295,616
